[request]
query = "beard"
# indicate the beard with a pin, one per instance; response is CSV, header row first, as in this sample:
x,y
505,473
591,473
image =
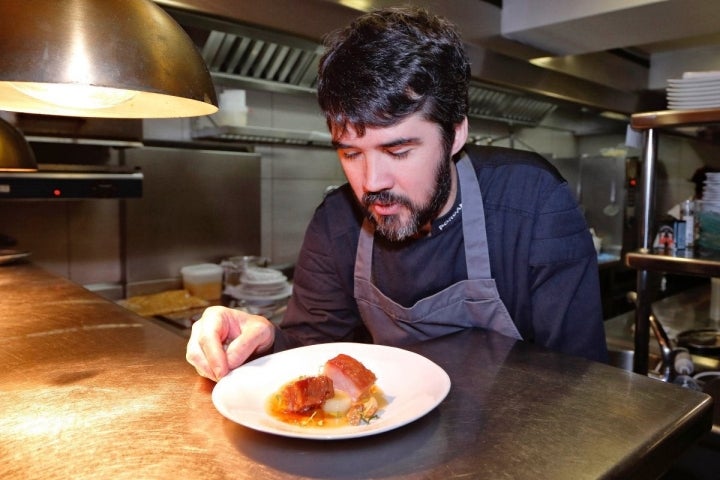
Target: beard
x,y
393,227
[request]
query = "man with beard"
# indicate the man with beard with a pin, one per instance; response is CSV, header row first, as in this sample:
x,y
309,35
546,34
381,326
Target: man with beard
x,y
429,236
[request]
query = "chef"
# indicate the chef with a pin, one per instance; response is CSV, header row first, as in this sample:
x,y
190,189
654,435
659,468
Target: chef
x,y
429,236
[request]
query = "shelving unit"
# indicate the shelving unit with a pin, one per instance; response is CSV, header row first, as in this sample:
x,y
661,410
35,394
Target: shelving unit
x,y
644,260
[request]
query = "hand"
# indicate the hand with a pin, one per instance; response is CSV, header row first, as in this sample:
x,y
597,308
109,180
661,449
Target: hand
x,y
223,339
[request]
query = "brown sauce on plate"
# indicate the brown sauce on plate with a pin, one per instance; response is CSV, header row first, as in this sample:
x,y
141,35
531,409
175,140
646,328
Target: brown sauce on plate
x,y
318,417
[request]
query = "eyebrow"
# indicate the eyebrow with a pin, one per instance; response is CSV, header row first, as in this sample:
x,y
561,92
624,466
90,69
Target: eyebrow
x,y
393,143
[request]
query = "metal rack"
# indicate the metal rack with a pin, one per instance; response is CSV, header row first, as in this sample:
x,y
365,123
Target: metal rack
x,y
643,260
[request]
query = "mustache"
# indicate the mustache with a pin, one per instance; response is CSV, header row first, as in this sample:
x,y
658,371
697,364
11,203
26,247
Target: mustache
x,y
385,197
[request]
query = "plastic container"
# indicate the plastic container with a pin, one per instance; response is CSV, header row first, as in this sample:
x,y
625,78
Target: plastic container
x,y
203,280
233,112
707,217
687,213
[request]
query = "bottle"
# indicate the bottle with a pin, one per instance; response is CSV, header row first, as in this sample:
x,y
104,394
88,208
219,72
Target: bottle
x,y
687,213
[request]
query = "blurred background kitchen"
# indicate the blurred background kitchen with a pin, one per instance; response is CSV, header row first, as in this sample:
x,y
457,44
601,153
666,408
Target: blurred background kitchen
x,y
559,79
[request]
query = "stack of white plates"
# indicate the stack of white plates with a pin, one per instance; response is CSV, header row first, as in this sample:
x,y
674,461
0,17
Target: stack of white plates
x,y
695,90
260,285
711,187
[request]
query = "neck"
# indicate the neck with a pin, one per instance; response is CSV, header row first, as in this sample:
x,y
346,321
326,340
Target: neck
x,y
453,190
427,228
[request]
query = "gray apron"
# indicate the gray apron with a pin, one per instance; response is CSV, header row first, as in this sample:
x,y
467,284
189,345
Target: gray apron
x,y
471,303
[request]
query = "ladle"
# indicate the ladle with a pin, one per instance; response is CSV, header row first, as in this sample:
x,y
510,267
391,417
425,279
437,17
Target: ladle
x,y
579,189
611,209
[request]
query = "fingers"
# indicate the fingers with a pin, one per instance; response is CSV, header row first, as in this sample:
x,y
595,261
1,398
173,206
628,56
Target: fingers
x,y
223,338
195,353
257,336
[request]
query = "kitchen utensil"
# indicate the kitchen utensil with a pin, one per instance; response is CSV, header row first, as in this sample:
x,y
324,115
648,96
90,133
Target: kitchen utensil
x,y
612,209
703,341
235,266
579,189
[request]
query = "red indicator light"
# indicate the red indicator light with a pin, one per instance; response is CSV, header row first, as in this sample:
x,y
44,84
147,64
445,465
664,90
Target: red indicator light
x,y
633,182
57,192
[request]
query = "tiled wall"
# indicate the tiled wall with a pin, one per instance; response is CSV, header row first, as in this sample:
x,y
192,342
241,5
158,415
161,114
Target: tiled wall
x,y
293,178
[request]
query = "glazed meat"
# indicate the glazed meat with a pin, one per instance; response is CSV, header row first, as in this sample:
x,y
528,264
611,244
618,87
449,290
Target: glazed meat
x,y
305,394
349,375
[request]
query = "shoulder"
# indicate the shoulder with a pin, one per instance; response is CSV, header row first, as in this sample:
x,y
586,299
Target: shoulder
x,y
518,180
509,161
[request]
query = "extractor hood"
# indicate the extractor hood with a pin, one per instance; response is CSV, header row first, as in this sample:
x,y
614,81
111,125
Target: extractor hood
x,y
242,56
71,182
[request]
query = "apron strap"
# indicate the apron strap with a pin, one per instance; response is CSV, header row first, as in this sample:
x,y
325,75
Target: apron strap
x,y
477,257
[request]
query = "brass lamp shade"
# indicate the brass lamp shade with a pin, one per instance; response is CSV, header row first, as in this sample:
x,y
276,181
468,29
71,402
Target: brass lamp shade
x,y
100,58
15,152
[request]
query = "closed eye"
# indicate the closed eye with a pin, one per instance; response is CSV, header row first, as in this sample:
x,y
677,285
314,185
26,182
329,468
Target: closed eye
x,y
347,154
399,154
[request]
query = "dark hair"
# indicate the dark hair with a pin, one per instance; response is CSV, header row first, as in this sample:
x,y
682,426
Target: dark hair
x,y
390,64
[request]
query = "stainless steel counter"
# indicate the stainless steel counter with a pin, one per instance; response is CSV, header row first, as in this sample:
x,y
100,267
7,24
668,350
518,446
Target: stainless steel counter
x,y
90,390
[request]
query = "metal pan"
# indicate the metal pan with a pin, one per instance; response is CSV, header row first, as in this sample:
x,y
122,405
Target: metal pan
x,y
704,341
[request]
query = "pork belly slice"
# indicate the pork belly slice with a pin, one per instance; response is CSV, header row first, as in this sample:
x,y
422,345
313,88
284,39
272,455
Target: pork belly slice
x,y
306,394
349,375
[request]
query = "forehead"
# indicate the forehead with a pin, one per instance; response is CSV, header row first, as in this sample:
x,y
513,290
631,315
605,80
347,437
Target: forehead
x,y
413,126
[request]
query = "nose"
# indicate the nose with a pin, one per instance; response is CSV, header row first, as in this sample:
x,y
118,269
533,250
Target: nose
x,y
377,175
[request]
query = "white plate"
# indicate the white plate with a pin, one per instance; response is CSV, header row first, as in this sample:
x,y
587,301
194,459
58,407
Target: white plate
x,y
702,74
697,89
411,384
692,96
693,81
693,100
693,105
240,294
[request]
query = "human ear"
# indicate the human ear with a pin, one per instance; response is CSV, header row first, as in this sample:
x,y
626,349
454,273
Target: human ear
x,y
461,135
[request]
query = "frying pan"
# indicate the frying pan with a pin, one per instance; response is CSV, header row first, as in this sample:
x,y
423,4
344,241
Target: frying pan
x,y
704,341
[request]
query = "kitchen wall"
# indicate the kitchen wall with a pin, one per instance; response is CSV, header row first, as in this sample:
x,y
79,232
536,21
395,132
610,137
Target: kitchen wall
x,y
84,240
292,179
197,206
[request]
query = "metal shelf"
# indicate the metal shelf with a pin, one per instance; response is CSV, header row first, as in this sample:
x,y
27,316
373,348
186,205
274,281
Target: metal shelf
x,y
684,263
264,135
644,261
674,118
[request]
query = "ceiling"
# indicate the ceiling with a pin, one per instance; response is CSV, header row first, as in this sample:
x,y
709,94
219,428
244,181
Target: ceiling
x,y
604,55
631,45
666,37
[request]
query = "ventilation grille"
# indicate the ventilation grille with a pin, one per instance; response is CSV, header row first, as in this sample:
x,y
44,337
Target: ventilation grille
x,y
261,61
253,59
508,107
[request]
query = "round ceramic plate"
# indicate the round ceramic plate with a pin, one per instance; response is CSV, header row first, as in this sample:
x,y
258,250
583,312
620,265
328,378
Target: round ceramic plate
x,y
412,386
695,92
694,80
240,294
694,105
